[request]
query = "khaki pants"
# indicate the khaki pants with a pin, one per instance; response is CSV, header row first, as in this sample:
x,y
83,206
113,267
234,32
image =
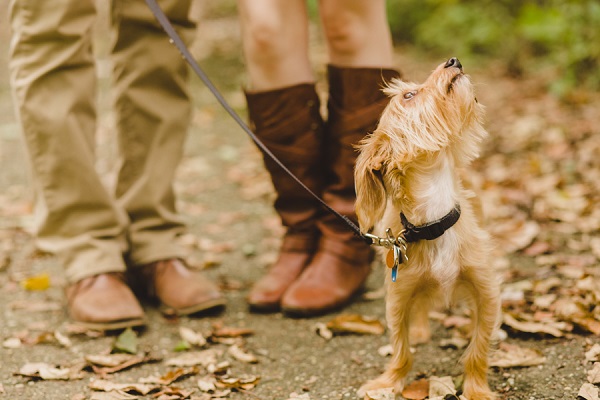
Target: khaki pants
x,y
54,84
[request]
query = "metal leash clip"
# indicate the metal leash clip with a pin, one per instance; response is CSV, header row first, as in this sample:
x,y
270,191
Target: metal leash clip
x,y
397,246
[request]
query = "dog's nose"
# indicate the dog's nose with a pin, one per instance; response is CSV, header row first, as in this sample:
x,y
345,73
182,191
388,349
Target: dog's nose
x,y
453,62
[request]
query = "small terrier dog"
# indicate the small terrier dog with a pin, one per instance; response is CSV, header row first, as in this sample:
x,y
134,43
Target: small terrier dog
x,y
411,198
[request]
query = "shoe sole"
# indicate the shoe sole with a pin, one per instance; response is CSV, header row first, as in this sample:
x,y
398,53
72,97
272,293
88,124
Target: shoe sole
x,y
205,306
111,326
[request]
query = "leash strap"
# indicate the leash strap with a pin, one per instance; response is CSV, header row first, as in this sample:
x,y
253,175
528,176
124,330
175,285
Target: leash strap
x,y
430,230
176,40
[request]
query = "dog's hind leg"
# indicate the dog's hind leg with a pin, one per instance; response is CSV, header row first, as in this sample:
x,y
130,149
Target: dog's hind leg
x,y
486,307
400,297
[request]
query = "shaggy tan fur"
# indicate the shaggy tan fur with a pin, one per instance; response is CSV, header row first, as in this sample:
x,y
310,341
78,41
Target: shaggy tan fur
x,y
413,163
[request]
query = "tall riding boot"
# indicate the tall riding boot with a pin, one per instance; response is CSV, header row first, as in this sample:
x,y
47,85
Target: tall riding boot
x,y
289,122
342,262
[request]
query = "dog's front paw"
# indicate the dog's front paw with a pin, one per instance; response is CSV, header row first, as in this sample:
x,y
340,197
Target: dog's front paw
x,y
385,381
479,395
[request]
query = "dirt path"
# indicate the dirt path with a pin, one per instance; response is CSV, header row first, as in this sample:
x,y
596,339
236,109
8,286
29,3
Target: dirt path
x,y
540,177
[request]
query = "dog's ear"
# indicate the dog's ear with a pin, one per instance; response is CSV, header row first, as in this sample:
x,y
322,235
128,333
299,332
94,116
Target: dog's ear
x,y
368,177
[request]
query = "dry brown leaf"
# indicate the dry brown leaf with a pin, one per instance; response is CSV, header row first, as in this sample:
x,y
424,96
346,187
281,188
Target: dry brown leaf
x,y
386,350
593,375
588,392
103,364
380,394
207,384
417,390
192,358
192,337
455,342
228,332
512,355
50,372
108,386
354,323
531,327
113,395
241,355
593,354
246,382
589,324
12,343
441,386
323,331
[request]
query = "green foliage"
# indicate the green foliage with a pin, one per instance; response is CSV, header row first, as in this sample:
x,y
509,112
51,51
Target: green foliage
x,y
525,34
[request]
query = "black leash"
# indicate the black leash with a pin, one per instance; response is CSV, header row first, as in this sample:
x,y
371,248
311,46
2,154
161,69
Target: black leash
x,y
185,52
410,233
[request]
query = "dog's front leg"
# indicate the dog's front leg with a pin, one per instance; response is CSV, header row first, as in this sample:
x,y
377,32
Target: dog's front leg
x,y
398,304
486,307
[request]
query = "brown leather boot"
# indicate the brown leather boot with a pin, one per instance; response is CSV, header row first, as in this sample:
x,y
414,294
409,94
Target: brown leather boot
x,y
289,122
179,290
342,263
104,302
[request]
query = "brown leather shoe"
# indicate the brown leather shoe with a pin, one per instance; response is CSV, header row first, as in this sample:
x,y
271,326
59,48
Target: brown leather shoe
x,y
104,302
179,290
330,281
295,254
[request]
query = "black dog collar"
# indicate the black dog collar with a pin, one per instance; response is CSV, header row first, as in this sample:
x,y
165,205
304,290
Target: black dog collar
x,y
430,230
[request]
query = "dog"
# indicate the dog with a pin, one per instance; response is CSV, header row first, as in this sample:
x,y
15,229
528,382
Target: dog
x,y
410,195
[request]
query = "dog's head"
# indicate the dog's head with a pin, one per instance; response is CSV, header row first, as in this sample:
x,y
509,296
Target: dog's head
x,y
441,114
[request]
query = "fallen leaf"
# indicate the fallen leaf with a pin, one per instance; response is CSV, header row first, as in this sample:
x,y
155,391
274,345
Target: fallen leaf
x,y
171,376
441,386
203,358
512,355
323,331
354,323
38,282
593,354
455,342
126,342
593,375
246,382
50,372
113,395
241,355
207,384
380,394
417,390
12,343
588,392
531,327
386,350
192,337
108,386
223,331
589,324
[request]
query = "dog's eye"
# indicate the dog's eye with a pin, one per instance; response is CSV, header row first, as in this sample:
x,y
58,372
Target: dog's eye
x,y
409,95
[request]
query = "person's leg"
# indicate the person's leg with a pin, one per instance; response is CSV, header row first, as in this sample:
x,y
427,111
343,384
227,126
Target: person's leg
x,y
275,43
359,46
284,112
53,81
357,33
153,109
